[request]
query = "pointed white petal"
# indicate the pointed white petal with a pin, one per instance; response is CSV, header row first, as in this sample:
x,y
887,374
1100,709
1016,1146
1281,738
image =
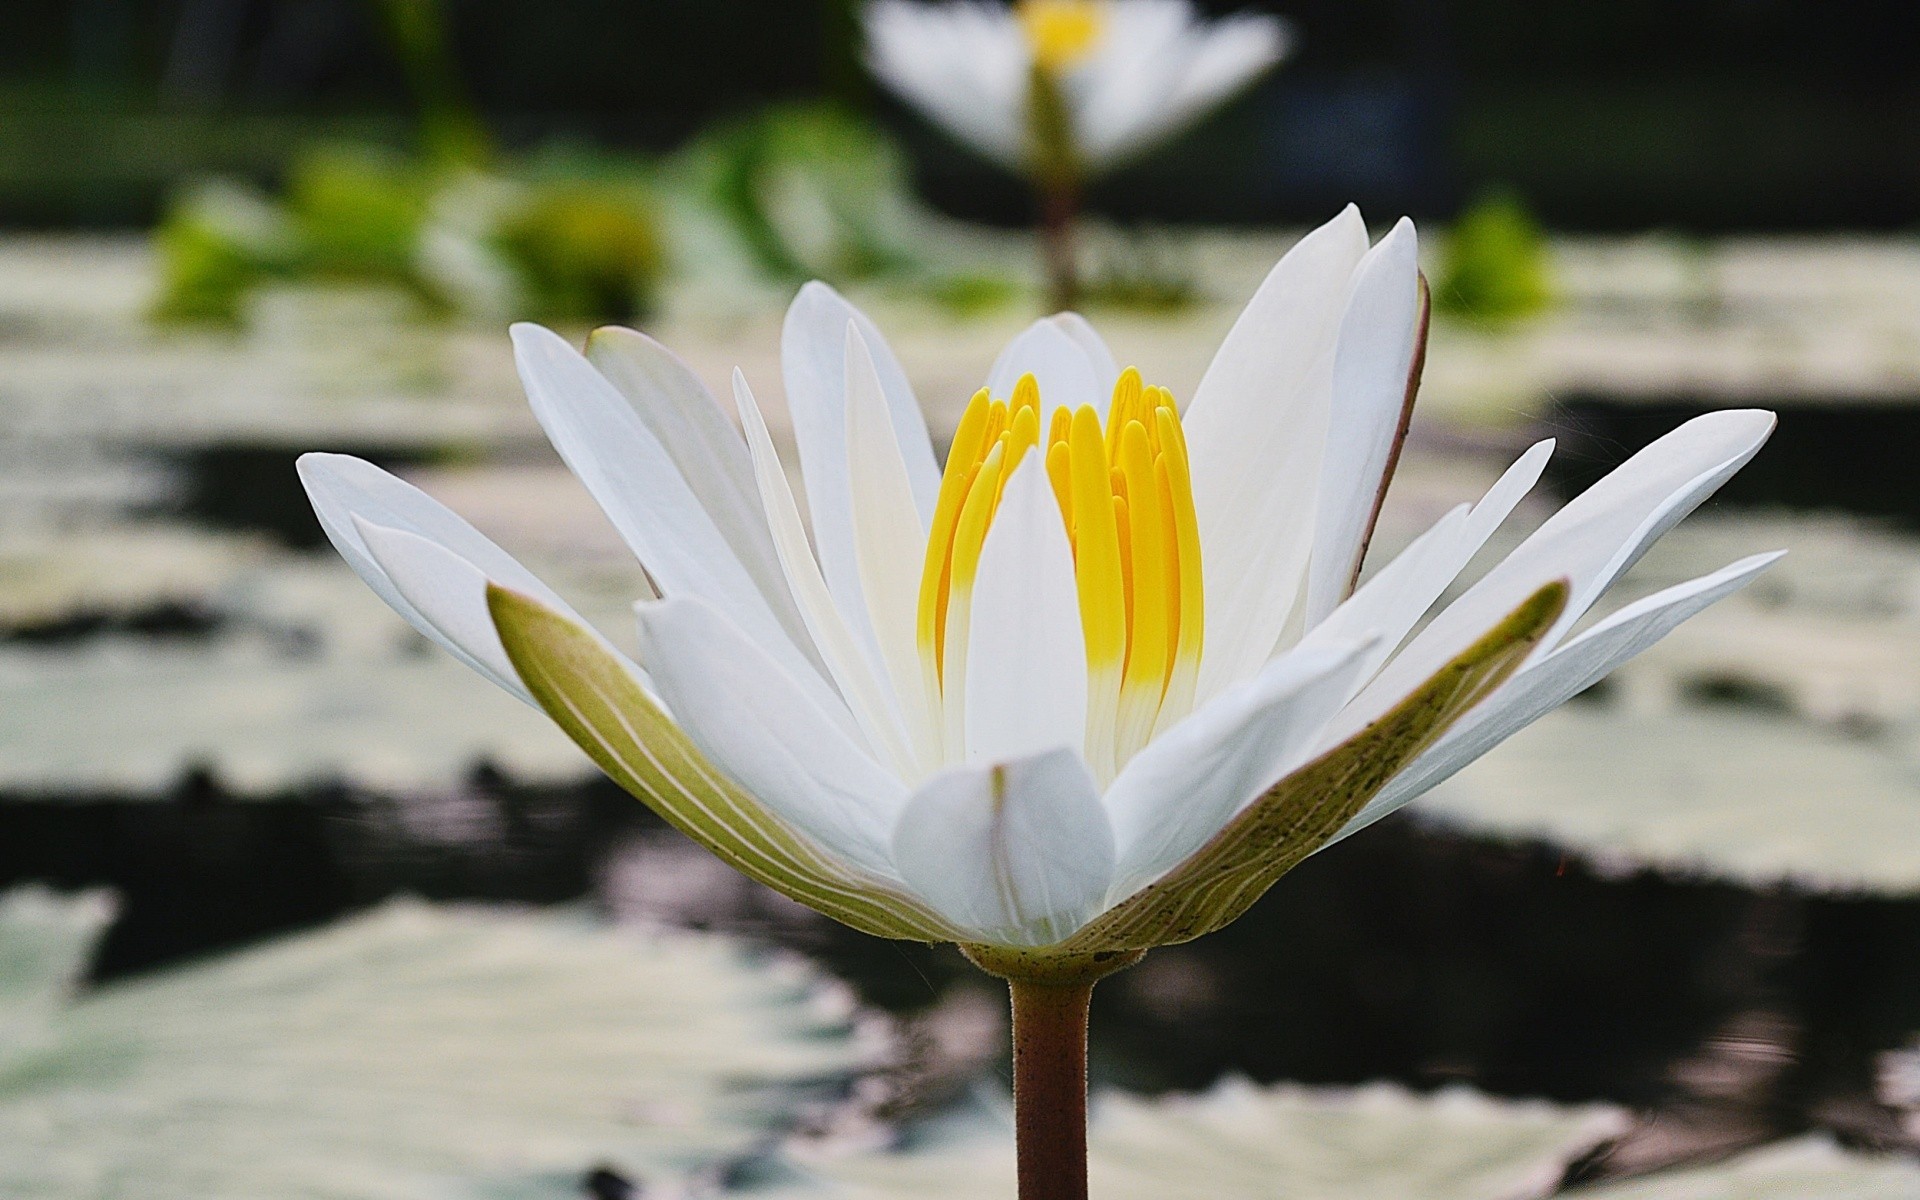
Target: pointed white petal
x,y
1059,363
1372,360
1026,657
641,489
1590,542
890,541
1017,853
813,360
1256,431
1549,682
1392,602
344,490
870,703
696,433
1106,369
745,713
1178,73
1188,782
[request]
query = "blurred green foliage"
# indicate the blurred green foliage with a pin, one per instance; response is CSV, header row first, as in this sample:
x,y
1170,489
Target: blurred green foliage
x,y
1494,265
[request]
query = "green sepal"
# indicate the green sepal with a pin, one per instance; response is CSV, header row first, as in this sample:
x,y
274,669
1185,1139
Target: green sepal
x,y
1300,814
592,695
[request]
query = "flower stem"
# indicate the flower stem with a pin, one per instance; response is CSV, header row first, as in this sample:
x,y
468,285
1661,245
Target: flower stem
x,y
1050,1087
1059,213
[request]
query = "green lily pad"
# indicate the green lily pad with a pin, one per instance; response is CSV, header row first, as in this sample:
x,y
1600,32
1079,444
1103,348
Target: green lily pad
x,y
413,1051
1280,1143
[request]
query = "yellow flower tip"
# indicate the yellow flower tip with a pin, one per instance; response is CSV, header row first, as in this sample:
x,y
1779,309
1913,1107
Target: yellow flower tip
x,y
1061,32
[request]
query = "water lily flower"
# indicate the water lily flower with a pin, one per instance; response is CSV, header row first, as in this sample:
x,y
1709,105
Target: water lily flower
x,y
1061,90
1093,686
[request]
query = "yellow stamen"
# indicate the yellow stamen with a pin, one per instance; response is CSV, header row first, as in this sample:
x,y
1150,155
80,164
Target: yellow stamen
x,y
1061,32
1126,500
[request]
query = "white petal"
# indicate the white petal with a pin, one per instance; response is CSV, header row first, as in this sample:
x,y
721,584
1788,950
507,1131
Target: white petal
x,y
1026,688
1598,535
641,489
1178,73
346,490
963,65
1256,431
1058,362
1549,682
1176,794
870,703
1371,362
813,360
696,433
1016,853
745,713
1392,602
890,541
1106,369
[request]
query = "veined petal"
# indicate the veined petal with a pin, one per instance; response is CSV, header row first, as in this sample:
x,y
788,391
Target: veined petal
x,y
1590,542
890,539
1016,853
597,699
450,594
1256,432
696,433
1555,678
346,490
870,704
641,489
1375,362
742,709
1297,815
1187,783
1059,362
813,360
1026,689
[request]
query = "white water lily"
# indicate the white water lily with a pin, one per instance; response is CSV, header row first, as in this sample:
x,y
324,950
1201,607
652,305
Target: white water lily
x,y
1094,687
1125,74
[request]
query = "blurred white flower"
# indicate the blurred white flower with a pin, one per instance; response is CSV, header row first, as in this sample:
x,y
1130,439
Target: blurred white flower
x,y
1098,683
1118,75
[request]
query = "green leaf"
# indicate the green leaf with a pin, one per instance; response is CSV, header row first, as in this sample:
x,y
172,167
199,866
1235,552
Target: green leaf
x,y
592,696
1272,835
414,1052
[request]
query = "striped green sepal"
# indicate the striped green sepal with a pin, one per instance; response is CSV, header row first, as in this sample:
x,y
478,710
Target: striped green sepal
x,y
1272,835
589,693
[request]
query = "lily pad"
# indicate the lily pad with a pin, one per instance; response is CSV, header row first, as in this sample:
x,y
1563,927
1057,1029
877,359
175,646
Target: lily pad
x,y
1725,793
1238,1140
1810,1168
413,1051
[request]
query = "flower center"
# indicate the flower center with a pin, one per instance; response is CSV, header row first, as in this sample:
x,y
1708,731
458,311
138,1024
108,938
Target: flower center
x,y
1061,32
1126,498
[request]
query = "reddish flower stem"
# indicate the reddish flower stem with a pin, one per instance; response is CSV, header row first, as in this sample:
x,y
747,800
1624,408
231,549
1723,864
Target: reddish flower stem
x,y
1050,1088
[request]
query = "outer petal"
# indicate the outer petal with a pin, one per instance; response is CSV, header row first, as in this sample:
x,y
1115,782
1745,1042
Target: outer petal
x,y
1297,815
745,713
1026,689
813,358
596,699
1106,369
641,489
1256,431
1059,362
695,432
1590,542
1016,853
1374,364
1187,783
346,491
1554,679
1161,71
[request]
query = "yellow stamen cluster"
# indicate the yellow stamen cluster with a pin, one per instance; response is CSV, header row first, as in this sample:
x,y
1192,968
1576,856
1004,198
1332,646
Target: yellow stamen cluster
x,y
1061,32
1126,498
